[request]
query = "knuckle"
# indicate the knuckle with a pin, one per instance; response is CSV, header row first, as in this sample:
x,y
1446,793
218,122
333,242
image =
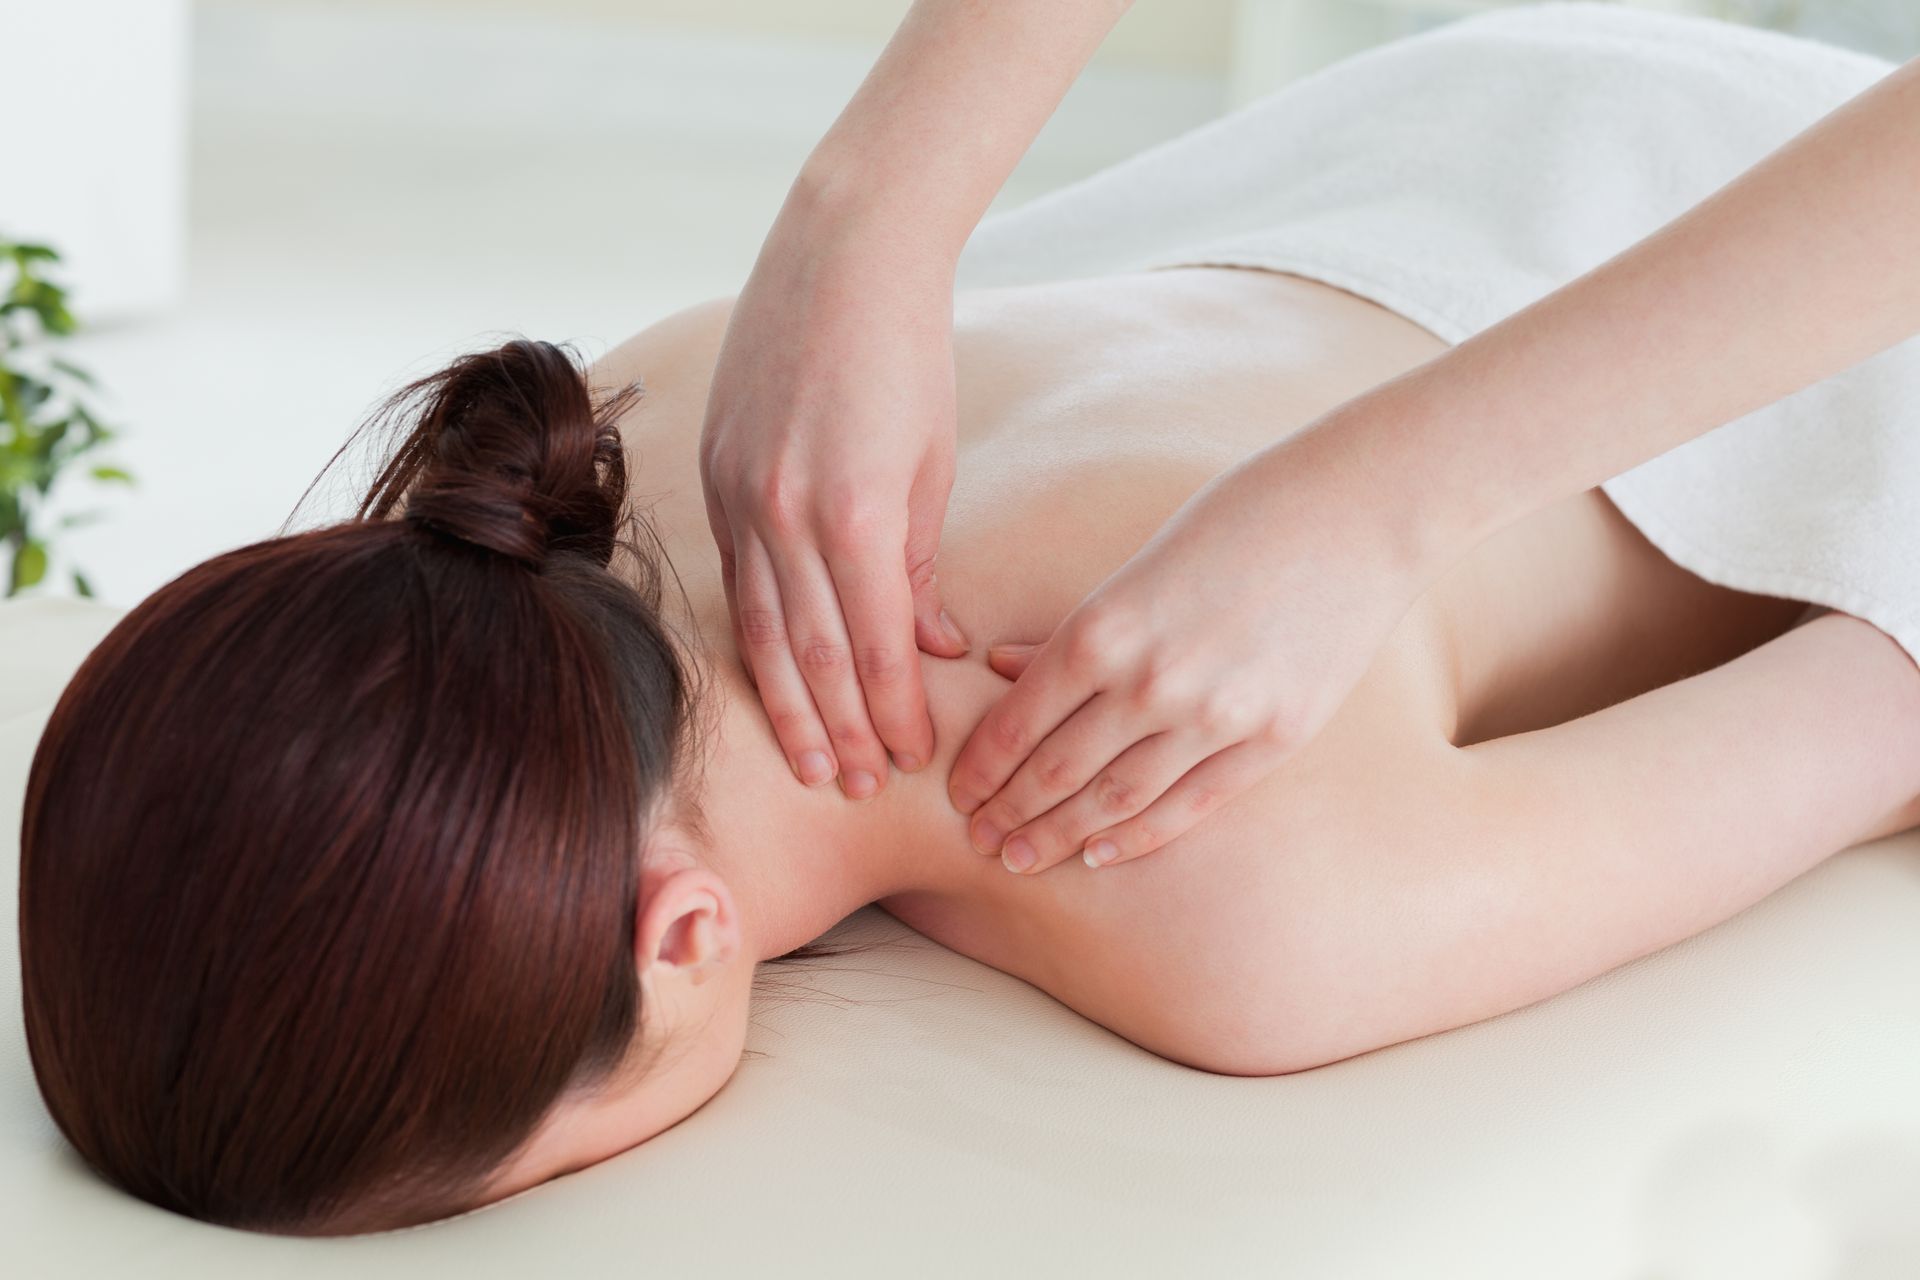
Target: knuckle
x,y
1007,734
1201,800
1004,817
970,781
1282,730
783,505
762,629
880,665
1053,772
1224,710
1161,688
920,572
1093,641
851,743
822,657
791,724
854,525
1115,795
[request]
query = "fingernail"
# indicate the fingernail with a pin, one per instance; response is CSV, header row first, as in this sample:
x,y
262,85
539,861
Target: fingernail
x,y
962,801
859,784
1013,650
952,628
1019,855
1100,853
986,836
813,767
906,762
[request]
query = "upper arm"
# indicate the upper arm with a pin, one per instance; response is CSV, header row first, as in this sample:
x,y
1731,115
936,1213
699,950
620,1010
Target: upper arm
x,y
1567,851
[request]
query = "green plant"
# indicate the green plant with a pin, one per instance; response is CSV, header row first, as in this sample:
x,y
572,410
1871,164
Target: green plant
x,y
46,422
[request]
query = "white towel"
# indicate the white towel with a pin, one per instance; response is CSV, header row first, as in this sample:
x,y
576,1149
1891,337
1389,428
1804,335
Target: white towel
x,y
1459,175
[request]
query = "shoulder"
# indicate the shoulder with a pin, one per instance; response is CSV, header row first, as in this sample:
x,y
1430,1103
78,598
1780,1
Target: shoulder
x,y
672,359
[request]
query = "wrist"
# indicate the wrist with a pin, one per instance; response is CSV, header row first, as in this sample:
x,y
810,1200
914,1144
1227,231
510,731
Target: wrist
x,y
1358,477
857,202
1438,491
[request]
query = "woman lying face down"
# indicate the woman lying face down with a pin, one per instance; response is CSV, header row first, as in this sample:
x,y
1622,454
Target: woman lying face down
x,y
375,858
377,872
330,877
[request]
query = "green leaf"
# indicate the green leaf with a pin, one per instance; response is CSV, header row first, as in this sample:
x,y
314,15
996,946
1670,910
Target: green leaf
x,y
52,310
51,434
75,372
117,475
47,301
78,518
97,431
24,253
29,564
81,584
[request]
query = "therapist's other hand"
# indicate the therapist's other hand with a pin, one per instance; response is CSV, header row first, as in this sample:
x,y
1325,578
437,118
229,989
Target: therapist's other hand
x,y
1222,647
827,457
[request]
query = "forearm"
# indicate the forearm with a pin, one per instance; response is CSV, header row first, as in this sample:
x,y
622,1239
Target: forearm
x,y
943,117
1802,267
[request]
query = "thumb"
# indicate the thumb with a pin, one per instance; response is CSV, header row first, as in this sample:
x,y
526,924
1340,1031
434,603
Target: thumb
x,y
934,629
1011,659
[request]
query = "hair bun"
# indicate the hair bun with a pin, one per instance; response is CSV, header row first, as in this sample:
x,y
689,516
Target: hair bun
x,y
507,450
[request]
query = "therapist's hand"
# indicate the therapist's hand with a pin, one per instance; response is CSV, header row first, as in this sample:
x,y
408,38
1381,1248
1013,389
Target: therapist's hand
x,y
827,457
1201,664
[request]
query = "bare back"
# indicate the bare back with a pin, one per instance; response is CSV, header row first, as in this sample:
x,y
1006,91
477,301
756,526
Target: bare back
x,y
1089,411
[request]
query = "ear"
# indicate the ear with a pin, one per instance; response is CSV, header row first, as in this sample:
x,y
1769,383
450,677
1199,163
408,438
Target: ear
x,y
687,926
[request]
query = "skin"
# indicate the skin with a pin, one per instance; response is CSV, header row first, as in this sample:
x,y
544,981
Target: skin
x,y
1568,753
829,447
828,444
1695,326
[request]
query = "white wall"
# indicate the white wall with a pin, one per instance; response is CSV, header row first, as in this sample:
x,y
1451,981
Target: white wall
x,y
1256,44
1164,35
94,97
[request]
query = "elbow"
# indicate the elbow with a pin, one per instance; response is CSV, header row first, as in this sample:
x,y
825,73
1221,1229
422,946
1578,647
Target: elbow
x,y
1281,1024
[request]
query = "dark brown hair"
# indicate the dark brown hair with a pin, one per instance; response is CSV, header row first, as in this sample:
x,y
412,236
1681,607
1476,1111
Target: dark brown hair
x,y
329,860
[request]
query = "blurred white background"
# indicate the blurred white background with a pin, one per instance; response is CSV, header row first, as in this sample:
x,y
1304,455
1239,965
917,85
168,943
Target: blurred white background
x,y
275,210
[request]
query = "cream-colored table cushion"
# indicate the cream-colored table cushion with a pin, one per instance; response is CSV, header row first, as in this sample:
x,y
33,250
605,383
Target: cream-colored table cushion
x,y
1745,1104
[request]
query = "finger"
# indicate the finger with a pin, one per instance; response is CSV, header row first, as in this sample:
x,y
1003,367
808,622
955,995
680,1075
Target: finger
x,y
878,610
934,629
1046,693
722,530
1011,660
762,632
824,654
1210,784
728,573
1129,784
1062,765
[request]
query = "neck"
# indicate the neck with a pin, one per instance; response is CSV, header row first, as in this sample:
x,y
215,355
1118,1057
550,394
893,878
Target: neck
x,y
799,859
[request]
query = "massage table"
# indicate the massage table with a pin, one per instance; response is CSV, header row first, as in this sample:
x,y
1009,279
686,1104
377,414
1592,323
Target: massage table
x,y
1744,1104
